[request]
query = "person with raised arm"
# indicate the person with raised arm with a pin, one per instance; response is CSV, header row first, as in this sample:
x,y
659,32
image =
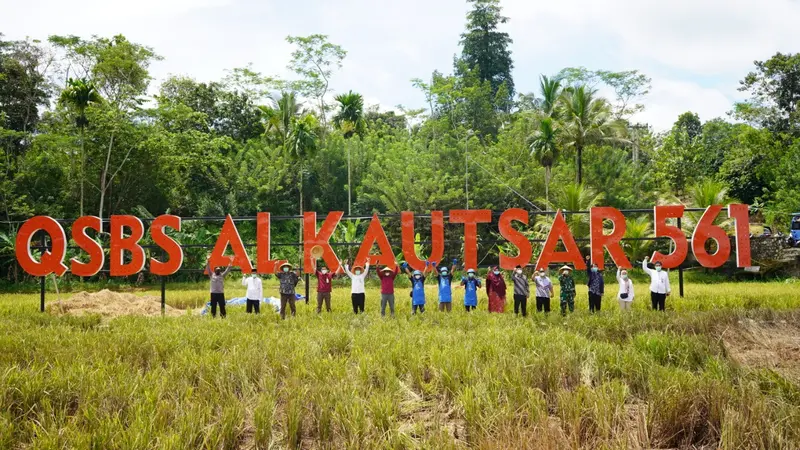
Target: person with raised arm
x,y
417,279
217,277
544,291
387,276
597,285
625,295
254,292
496,290
324,288
357,289
288,281
659,285
445,281
471,283
521,291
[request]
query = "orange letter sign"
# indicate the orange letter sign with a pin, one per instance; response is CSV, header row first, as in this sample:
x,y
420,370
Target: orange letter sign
x,y
470,218
741,215
599,240
119,244
375,235
172,248
263,258
560,231
706,230
51,261
409,237
89,245
516,238
230,235
661,214
321,238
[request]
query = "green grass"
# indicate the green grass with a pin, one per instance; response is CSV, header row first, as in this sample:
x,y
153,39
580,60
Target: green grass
x,y
611,380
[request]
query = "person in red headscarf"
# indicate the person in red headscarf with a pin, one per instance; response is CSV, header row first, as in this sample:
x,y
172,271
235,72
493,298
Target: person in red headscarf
x,y
496,290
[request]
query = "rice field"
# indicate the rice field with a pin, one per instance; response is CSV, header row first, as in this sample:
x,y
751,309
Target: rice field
x,y
719,369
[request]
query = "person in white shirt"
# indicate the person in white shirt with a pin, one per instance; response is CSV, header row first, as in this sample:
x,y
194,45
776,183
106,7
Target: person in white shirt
x,y
659,285
625,295
254,292
357,291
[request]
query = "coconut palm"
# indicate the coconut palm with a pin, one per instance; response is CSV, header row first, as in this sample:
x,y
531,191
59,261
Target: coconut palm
x,y
78,95
640,227
571,197
703,194
586,119
544,147
279,116
550,88
301,145
350,120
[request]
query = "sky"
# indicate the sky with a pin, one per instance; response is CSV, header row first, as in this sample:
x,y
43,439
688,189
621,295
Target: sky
x,y
695,51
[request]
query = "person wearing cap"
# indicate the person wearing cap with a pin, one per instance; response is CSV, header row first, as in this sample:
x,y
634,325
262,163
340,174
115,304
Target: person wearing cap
x,y
445,280
217,277
417,287
471,283
387,276
521,291
597,285
496,290
544,290
254,292
357,290
324,288
659,285
567,284
625,295
288,281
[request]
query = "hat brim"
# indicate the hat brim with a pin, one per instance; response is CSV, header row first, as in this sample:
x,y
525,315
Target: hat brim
x,y
566,268
388,269
357,267
286,264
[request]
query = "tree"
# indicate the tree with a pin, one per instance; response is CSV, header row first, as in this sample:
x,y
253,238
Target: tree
x,y
689,123
486,49
586,120
315,59
550,89
350,119
774,88
279,117
544,148
629,86
301,146
78,95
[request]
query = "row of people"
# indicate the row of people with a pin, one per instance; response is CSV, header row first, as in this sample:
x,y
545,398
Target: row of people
x,y
495,288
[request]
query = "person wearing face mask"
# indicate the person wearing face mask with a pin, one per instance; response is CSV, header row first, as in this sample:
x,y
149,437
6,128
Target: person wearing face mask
x,y
217,277
659,285
496,290
544,290
596,285
387,276
625,295
324,288
288,281
471,283
567,285
521,291
445,281
417,288
357,290
254,292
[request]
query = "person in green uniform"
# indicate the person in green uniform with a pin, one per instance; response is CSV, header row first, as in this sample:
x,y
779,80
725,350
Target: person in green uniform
x,y
567,284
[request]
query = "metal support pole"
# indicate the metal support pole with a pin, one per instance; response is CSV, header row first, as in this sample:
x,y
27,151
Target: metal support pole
x,y
163,295
680,269
307,288
42,281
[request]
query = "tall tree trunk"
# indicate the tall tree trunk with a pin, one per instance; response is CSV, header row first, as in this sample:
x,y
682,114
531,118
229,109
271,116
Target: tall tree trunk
x,y
547,185
300,233
83,166
104,176
580,163
349,183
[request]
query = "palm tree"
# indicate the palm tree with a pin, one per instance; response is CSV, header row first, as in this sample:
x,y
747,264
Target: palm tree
x,y
586,119
350,120
301,145
278,117
703,194
637,228
571,197
78,95
550,88
545,149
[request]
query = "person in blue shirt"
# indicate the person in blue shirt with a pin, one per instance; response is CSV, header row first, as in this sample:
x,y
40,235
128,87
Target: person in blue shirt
x,y
417,288
445,281
471,285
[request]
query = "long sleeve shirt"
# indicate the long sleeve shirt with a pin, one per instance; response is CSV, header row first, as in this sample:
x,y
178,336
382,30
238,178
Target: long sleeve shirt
x,y
596,283
288,281
217,281
544,287
625,287
254,288
387,280
520,284
659,280
496,284
357,281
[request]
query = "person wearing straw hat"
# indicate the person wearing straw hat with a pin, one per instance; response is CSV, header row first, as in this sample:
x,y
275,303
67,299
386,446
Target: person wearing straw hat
x,y
387,276
445,280
471,283
288,281
324,288
567,284
357,290
217,277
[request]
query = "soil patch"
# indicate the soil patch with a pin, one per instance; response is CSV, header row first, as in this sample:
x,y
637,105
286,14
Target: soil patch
x,y
767,345
111,304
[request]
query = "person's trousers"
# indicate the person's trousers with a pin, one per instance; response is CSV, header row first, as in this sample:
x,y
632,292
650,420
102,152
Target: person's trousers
x,y
567,300
594,302
323,297
358,302
469,308
217,298
624,305
287,299
414,309
658,300
445,306
543,304
521,302
253,305
387,299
